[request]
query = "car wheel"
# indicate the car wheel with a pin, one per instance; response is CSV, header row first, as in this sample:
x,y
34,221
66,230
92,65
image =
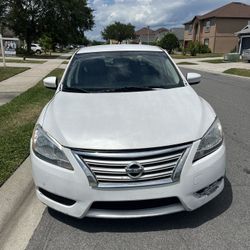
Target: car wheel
x,y
39,52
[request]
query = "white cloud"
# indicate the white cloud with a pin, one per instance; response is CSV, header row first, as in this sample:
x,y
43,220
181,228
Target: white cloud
x,y
140,13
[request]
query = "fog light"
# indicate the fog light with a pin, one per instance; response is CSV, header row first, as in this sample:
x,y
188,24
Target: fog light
x,y
209,189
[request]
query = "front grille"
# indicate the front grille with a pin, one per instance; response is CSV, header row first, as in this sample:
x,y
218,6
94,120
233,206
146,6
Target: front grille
x,y
109,168
135,205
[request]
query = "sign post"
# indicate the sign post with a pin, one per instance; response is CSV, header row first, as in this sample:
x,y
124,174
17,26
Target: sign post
x,y
3,50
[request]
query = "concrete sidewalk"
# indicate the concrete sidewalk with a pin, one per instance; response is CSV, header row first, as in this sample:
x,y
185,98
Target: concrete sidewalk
x,y
17,84
21,64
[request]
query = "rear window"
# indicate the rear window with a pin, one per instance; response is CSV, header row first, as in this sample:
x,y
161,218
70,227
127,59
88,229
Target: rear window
x,y
121,71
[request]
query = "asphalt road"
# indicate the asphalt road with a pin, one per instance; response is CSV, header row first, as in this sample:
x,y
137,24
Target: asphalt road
x,y
224,223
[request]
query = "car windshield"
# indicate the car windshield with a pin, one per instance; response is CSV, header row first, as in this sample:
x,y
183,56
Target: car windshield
x,y
121,71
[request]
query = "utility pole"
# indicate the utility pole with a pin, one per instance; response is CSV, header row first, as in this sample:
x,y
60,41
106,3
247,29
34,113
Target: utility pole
x,y
2,49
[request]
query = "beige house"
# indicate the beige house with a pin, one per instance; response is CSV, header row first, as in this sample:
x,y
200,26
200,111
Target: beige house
x,y
217,28
147,35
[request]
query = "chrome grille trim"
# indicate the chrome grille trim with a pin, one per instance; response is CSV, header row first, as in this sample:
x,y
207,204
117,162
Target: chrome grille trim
x,y
125,163
128,153
160,166
122,170
126,178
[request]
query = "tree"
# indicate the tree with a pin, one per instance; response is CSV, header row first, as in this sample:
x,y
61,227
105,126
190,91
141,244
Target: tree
x,y
24,18
95,43
119,32
46,43
169,42
64,21
2,14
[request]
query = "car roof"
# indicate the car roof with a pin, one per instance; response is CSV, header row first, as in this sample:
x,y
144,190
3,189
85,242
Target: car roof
x,y
119,47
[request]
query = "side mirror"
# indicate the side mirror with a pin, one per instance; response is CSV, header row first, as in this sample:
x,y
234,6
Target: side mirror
x,y
50,82
193,78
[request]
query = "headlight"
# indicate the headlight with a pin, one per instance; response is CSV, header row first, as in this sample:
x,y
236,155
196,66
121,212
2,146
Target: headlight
x,y
48,149
210,141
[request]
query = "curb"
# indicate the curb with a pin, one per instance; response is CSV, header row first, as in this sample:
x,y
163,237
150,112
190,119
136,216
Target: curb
x,y
14,191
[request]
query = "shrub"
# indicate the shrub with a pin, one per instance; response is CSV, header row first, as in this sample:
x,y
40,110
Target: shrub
x,y
196,47
203,49
154,43
23,52
169,42
184,51
193,48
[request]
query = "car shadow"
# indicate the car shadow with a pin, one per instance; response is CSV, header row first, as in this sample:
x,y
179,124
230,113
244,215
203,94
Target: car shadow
x,y
193,219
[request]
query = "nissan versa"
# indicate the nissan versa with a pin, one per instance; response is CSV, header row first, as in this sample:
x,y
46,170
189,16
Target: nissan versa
x,y
126,136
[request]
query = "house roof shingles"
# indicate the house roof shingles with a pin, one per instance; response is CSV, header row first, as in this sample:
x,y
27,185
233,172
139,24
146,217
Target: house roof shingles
x,y
144,31
231,10
161,30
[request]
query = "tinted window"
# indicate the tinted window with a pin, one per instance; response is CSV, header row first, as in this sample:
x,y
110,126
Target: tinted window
x,y
121,71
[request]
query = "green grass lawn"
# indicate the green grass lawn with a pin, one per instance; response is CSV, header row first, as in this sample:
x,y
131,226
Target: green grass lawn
x,y
215,61
187,63
8,72
17,121
197,56
24,61
65,62
42,56
239,72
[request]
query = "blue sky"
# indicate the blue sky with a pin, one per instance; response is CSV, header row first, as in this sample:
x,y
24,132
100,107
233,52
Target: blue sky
x,y
155,13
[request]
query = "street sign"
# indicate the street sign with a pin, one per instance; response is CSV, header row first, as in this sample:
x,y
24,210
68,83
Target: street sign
x,y
10,46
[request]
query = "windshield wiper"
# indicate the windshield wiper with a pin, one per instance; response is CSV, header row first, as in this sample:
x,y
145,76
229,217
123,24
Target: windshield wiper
x,y
123,89
76,90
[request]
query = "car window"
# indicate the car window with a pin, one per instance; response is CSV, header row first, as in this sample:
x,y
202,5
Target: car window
x,y
121,71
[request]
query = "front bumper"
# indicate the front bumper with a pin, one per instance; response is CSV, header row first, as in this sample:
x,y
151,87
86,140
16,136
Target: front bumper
x,y
74,185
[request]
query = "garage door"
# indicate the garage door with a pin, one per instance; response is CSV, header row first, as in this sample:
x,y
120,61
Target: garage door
x,y
245,43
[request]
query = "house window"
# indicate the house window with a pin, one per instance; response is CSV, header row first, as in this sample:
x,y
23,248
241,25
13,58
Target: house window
x,y
206,41
190,28
207,26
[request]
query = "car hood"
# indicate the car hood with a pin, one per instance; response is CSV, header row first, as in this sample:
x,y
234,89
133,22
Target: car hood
x,y
128,120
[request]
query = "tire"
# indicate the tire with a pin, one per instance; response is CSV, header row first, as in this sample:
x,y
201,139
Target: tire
x,y
39,52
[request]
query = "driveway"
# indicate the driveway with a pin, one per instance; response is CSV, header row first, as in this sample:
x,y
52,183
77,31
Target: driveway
x,y
224,223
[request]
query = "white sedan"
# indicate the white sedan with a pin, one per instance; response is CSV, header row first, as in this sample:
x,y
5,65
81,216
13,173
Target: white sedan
x,y
36,48
126,136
